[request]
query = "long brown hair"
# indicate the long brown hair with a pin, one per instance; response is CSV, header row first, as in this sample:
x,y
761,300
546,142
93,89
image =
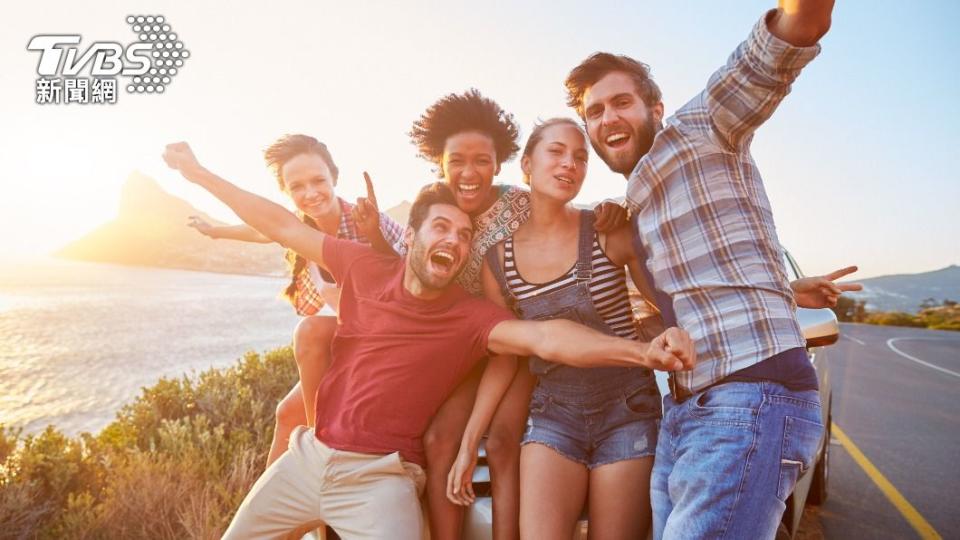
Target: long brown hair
x,y
296,263
277,155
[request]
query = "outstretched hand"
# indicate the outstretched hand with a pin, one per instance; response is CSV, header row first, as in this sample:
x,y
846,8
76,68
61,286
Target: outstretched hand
x,y
820,291
672,350
460,479
179,157
366,214
610,215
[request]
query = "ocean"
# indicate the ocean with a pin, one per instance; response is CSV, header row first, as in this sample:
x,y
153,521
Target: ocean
x,y
78,340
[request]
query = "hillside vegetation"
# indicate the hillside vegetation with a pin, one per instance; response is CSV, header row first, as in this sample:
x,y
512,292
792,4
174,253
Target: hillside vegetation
x,y
176,463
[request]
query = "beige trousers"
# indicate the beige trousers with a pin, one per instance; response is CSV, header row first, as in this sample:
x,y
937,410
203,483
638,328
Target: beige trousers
x,y
361,496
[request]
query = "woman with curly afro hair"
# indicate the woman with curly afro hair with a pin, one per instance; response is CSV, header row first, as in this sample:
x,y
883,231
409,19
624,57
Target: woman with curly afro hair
x,y
468,137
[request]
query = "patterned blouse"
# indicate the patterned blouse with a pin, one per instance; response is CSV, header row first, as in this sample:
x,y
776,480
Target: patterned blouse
x,y
500,221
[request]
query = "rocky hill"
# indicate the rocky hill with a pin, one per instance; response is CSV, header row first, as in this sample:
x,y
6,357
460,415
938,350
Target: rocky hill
x,y
905,292
150,230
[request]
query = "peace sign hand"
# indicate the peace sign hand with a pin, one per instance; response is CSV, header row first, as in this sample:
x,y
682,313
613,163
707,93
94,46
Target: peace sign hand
x,y
821,291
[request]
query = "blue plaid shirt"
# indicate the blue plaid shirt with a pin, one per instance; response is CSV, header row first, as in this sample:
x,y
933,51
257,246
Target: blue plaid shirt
x,y
704,221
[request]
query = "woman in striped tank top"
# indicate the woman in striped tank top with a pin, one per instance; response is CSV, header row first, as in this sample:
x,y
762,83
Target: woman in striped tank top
x,y
590,428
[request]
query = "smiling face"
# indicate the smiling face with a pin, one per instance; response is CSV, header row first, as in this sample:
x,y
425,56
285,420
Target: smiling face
x,y
309,183
439,248
557,165
469,164
620,125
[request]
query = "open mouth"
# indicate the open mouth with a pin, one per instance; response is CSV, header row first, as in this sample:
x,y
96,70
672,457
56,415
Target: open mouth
x,y
468,190
564,179
443,260
617,140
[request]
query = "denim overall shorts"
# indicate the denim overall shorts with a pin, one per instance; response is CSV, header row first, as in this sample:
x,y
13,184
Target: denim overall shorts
x,y
592,416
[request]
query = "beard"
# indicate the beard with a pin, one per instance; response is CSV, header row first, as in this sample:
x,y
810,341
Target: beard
x,y
418,263
640,142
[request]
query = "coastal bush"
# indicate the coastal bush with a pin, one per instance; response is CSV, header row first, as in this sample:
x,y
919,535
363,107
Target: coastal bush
x,y
932,315
176,462
945,317
894,318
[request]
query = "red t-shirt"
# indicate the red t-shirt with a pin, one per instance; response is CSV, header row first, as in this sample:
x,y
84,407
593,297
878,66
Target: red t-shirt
x,y
396,358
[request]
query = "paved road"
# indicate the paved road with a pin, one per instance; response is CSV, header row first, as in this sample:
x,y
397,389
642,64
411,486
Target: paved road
x,y
896,395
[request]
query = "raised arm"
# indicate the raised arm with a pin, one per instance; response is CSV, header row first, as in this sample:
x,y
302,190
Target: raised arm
x,y
272,220
801,23
745,92
243,233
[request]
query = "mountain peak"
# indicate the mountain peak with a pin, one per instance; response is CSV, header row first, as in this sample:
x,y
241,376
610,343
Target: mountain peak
x,y
151,230
143,200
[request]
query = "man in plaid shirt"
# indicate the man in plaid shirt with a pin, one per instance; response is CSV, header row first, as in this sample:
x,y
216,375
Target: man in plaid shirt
x,y
740,428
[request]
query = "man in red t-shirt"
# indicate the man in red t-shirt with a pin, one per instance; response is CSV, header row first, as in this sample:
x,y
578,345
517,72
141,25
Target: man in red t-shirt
x,y
407,336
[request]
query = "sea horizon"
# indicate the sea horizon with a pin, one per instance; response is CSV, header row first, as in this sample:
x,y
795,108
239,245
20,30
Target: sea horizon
x,y
80,339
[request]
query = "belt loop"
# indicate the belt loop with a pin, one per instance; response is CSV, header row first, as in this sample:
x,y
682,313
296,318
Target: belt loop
x,y
678,393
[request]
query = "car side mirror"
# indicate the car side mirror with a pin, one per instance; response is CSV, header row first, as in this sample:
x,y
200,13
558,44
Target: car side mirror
x,y
819,326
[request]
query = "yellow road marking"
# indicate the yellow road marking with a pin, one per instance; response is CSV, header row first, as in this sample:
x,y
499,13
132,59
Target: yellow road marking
x,y
921,525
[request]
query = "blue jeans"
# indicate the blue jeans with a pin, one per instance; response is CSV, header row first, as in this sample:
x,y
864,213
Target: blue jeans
x,y
729,457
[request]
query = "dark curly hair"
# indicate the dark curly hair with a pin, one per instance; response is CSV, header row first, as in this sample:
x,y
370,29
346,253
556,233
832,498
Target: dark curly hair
x,y
597,66
458,113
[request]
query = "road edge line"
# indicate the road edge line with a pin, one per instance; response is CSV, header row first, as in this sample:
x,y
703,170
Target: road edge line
x,y
855,340
917,521
917,360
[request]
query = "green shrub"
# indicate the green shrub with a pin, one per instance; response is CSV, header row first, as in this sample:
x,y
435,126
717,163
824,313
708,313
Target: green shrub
x,y
894,318
176,462
945,317
938,317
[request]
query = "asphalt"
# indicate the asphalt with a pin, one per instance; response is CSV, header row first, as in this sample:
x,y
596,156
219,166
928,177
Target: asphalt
x,y
904,416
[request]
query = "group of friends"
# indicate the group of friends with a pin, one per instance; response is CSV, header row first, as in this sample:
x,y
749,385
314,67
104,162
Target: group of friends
x,y
502,312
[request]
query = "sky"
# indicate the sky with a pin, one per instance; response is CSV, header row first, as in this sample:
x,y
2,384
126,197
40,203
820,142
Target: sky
x,y
860,162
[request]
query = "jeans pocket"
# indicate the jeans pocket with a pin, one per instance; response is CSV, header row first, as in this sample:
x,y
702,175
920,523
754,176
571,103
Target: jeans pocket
x,y
728,404
801,439
644,401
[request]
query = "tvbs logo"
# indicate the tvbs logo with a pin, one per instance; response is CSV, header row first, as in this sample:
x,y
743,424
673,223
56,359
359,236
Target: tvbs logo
x,y
148,65
107,57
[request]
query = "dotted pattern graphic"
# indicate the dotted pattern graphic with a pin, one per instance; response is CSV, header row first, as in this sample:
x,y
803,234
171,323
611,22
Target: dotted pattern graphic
x,y
167,53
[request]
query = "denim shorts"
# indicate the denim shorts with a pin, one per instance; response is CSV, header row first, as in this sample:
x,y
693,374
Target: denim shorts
x,y
596,430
